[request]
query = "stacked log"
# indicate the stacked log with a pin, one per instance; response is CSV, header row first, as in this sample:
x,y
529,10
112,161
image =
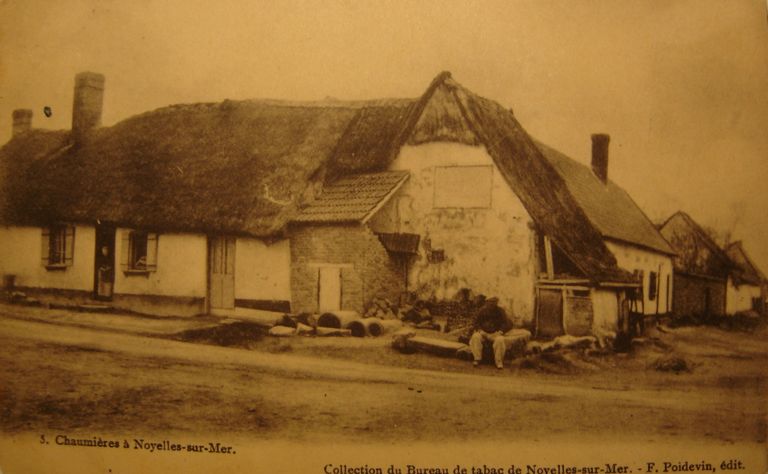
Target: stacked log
x,y
365,327
337,319
378,327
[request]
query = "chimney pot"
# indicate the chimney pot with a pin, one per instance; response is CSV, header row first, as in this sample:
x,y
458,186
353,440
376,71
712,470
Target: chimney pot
x,y
22,121
87,105
600,143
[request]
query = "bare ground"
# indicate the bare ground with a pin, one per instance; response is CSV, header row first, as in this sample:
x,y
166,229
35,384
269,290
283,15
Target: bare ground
x,y
54,377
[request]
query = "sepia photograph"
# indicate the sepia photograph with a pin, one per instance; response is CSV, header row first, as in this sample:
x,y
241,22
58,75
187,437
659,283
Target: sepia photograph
x,y
384,237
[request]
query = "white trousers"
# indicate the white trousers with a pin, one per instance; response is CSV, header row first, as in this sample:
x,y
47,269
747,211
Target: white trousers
x,y
499,345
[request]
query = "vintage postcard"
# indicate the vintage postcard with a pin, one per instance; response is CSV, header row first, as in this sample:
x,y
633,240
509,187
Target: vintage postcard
x,y
336,237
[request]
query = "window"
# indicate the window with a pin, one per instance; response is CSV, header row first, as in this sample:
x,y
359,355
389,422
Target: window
x,y
463,186
653,282
139,251
58,246
436,256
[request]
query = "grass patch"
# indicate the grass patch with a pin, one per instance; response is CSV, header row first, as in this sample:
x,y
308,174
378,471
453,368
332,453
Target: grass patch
x,y
238,334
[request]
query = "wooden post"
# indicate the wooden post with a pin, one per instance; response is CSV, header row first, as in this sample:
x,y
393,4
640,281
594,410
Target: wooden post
x,y
548,254
658,288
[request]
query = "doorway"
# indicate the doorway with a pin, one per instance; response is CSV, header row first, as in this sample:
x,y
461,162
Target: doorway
x,y
329,289
104,263
550,313
221,252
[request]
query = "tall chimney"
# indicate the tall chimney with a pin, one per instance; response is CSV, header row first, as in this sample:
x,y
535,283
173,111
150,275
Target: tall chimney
x,y
22,121
600,155
86,109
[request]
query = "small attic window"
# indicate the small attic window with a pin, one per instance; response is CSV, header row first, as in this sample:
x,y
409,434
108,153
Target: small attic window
x,y
463,187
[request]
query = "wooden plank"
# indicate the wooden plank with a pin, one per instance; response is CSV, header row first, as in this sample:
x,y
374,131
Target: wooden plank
x,y
430,345
550,320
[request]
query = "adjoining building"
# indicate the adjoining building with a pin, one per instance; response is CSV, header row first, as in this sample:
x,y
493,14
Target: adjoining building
x,y
708,280
746,283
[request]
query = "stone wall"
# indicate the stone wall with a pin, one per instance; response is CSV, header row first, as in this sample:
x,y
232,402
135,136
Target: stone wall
x,y
690,296
367,270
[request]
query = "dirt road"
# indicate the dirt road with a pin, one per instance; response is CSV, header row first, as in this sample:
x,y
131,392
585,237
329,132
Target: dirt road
x,y
82,379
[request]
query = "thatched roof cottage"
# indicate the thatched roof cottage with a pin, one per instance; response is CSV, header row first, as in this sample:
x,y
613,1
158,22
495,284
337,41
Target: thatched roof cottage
x,y
315,206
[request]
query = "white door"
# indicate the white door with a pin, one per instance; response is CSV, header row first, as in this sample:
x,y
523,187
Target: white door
x,y
329,291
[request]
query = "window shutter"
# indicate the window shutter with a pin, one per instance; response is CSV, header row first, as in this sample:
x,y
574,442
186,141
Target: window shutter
x,y
151,251
125,243
45,245
69,245
652,285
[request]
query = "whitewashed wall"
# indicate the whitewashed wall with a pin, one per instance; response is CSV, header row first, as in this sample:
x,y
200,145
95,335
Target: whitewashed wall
x,y
488,250
181,267
632,258
20,255
739,298
262,272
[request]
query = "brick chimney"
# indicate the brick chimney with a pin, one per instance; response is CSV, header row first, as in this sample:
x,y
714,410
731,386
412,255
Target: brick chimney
x,y
600,155
22,121
87,105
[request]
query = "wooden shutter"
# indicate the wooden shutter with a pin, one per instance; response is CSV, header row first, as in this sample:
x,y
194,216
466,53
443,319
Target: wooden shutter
x,y
151,251
652,285
69,244
125,243
45,246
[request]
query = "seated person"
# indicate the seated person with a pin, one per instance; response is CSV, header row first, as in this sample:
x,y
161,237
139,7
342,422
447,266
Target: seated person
x,y
490,324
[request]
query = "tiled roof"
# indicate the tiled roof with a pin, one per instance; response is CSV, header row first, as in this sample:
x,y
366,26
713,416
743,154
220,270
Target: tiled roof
x,y
608,206
352,198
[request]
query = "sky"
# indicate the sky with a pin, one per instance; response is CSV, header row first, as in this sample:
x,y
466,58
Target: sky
x,y
681,86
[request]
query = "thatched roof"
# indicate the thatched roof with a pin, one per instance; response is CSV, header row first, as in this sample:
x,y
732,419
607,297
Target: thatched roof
x,y
352,198
608,206
696,252
745,271
246,167
537,184
237,167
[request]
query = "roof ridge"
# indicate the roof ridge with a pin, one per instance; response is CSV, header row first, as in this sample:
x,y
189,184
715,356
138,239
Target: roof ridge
x,y
706,238
738,245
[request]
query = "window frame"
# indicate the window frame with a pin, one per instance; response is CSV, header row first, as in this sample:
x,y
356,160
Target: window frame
x,y
61,236
137,240
128,253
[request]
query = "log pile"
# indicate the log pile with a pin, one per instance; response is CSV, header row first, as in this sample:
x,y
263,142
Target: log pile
x,y
336,323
